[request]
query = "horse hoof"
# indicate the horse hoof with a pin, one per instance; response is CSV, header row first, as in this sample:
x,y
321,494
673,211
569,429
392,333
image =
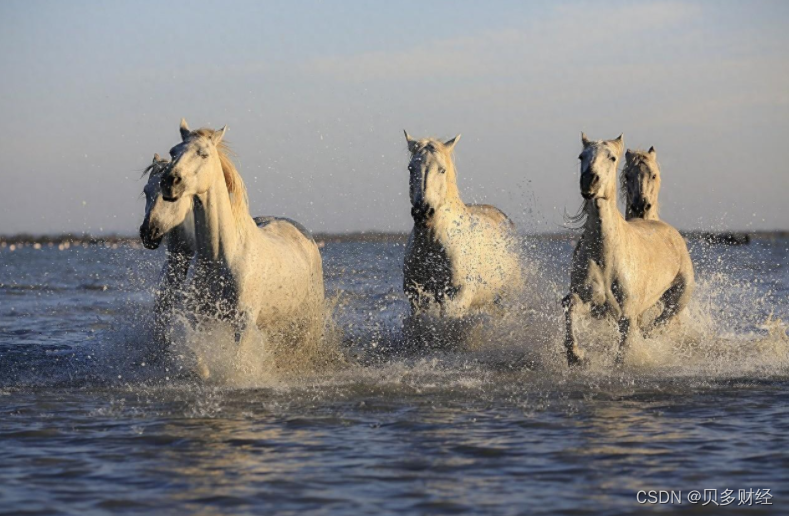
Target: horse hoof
x,y
576,360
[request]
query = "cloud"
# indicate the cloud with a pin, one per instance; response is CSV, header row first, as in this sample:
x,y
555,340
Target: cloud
x,y
581,34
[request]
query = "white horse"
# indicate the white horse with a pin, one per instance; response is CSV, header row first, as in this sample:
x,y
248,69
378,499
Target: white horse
x,y
640,184
622,268
458,256
174,222
268,276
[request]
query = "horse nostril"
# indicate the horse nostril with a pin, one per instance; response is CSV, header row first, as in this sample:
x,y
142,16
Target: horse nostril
x,y
648,206
176,180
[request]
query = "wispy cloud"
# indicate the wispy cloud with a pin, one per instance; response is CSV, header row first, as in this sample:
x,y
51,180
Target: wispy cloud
x,y
581,34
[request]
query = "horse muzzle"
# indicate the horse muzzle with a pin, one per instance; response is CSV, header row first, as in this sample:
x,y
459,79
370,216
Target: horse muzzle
x,y
150,236
588,182
640,207
422,213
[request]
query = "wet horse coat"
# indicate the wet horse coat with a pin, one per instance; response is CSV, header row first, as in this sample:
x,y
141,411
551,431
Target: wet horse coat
x,y
458,256
622,268
271,276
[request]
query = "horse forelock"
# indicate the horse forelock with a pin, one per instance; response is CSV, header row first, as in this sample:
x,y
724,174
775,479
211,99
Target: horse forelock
x,y
435,147
431,146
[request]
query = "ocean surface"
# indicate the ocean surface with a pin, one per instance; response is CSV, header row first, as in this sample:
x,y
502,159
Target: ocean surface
x,y
367,423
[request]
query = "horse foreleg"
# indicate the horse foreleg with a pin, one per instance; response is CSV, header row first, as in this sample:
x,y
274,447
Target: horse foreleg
x,y
244,324
168,293
575,355
624,339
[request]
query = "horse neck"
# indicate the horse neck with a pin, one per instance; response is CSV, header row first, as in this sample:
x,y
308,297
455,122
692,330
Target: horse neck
x,y
453,194
217,232
604,224
451,216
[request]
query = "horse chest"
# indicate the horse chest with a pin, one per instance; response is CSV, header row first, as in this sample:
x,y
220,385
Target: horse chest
x,y
428,268
216,290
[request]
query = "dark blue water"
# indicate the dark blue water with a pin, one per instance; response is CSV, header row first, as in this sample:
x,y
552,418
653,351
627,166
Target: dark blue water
x,y
499,426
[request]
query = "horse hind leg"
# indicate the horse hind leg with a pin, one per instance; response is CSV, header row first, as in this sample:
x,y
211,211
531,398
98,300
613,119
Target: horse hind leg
x,y
674,300
575,355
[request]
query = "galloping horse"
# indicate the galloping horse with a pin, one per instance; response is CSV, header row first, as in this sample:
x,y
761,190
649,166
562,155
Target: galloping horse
x,y
640,184
621,268
458,256
175,223
269,276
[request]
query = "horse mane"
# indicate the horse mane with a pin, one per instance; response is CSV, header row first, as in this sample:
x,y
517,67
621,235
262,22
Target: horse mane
x,y
239,198
157,168
578,220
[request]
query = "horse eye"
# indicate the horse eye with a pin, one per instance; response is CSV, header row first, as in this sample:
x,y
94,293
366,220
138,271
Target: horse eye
x,y
654,176
442,170
613,158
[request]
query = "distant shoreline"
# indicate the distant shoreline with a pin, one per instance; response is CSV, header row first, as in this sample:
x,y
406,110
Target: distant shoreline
x,y
67,240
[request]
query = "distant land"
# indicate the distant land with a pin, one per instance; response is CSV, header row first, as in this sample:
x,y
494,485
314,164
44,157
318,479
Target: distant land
x,y
67,240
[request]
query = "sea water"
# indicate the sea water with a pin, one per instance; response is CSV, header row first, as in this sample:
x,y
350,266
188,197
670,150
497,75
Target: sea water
x,y
364,423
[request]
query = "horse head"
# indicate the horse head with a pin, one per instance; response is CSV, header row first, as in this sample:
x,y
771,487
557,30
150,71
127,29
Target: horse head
x,y
160,216
432,179
641,183
195,161
599,160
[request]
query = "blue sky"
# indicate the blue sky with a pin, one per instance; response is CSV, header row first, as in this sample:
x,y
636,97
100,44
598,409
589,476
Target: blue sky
x,y
316,95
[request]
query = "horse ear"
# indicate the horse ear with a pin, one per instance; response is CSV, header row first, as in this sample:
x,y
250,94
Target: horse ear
x,y
585,140
451,143
628,154
652,151
411,141
216,138
156,157
184,129
620,141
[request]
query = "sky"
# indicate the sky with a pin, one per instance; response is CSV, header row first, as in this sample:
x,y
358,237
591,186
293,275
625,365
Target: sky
x,y
316,96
